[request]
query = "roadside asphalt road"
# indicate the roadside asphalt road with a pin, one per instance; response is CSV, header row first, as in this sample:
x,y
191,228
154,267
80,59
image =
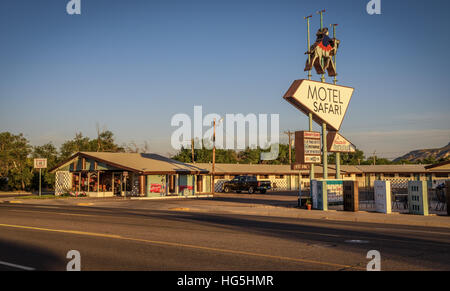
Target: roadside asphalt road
x,y
161,235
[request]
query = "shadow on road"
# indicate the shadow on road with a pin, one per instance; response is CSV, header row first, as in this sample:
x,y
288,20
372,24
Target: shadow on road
x,y
28,258
409,245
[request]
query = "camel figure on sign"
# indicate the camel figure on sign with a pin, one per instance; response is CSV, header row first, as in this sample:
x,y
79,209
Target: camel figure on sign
x,y
321,54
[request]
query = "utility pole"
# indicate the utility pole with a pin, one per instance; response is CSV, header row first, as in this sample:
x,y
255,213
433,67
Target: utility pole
x,y
192,150
290,133
374,158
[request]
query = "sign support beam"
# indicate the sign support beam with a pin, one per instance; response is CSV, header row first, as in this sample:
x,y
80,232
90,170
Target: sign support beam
x,y
325,151
311,171
338,155
324,125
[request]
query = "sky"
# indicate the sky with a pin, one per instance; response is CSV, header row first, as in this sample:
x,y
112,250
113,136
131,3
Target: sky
x,y
130,65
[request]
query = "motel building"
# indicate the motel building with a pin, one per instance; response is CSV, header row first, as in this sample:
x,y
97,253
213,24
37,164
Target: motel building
x,y
97,174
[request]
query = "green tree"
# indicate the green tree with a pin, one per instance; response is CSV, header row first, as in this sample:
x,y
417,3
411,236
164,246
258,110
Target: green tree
x,y
103,143
78,144
15,166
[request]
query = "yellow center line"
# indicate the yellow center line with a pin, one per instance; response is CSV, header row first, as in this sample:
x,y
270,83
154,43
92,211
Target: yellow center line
x,y
183,245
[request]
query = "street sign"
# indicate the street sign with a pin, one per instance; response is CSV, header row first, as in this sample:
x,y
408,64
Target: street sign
x,y
328,103
339,144
307,148
40,163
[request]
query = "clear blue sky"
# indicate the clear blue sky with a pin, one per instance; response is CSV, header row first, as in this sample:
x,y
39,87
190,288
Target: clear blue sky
x,y
130,65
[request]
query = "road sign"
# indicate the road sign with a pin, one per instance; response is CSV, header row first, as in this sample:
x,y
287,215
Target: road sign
x,y
339,144
307,148
328,103
40,163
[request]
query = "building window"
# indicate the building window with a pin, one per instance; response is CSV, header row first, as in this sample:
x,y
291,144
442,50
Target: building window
x,y
359,175
279,177
264,176
389,175
219,177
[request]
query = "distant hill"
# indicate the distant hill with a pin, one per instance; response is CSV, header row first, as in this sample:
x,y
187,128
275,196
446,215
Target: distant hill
x,y
437,154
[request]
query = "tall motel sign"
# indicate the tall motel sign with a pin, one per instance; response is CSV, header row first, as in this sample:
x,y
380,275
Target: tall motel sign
x,y
324,103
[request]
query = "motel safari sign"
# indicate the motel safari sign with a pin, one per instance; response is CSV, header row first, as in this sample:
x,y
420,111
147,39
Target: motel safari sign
x,y
328,103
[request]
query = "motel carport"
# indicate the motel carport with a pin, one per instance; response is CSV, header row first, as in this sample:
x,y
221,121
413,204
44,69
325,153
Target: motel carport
x,y
101,174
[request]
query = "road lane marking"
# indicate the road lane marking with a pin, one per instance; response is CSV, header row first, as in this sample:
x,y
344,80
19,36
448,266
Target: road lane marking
x,y
85,204
172,244
62,231
17,266
289,231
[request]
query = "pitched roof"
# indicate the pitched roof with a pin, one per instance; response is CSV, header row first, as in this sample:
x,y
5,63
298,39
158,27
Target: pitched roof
x,y
438,165
414,168
143,163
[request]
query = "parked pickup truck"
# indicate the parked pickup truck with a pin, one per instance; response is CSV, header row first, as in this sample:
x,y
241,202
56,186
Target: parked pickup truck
x,y
246,183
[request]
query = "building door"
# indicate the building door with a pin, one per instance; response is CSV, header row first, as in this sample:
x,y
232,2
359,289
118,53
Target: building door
x,y
199,185
172,179
117,184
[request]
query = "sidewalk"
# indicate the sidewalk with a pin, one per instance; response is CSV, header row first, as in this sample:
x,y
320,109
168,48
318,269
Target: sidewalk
x,y
243,206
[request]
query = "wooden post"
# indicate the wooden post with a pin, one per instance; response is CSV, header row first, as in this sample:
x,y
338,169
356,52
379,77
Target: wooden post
x,y
98,182
112,183
141,184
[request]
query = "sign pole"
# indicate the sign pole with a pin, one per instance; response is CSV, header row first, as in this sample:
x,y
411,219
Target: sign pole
x,y
338,154
324,125
40,182
40,164
311,171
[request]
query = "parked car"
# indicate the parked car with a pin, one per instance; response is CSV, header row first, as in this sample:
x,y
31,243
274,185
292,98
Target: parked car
x,y
246,183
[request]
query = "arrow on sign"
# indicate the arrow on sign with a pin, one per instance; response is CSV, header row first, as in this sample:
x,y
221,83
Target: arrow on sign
x,y
328,103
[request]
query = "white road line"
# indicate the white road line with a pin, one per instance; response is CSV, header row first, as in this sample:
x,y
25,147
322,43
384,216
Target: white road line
x,y
17,266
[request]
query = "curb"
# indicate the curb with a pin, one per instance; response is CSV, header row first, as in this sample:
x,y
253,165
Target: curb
x,y
171,197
